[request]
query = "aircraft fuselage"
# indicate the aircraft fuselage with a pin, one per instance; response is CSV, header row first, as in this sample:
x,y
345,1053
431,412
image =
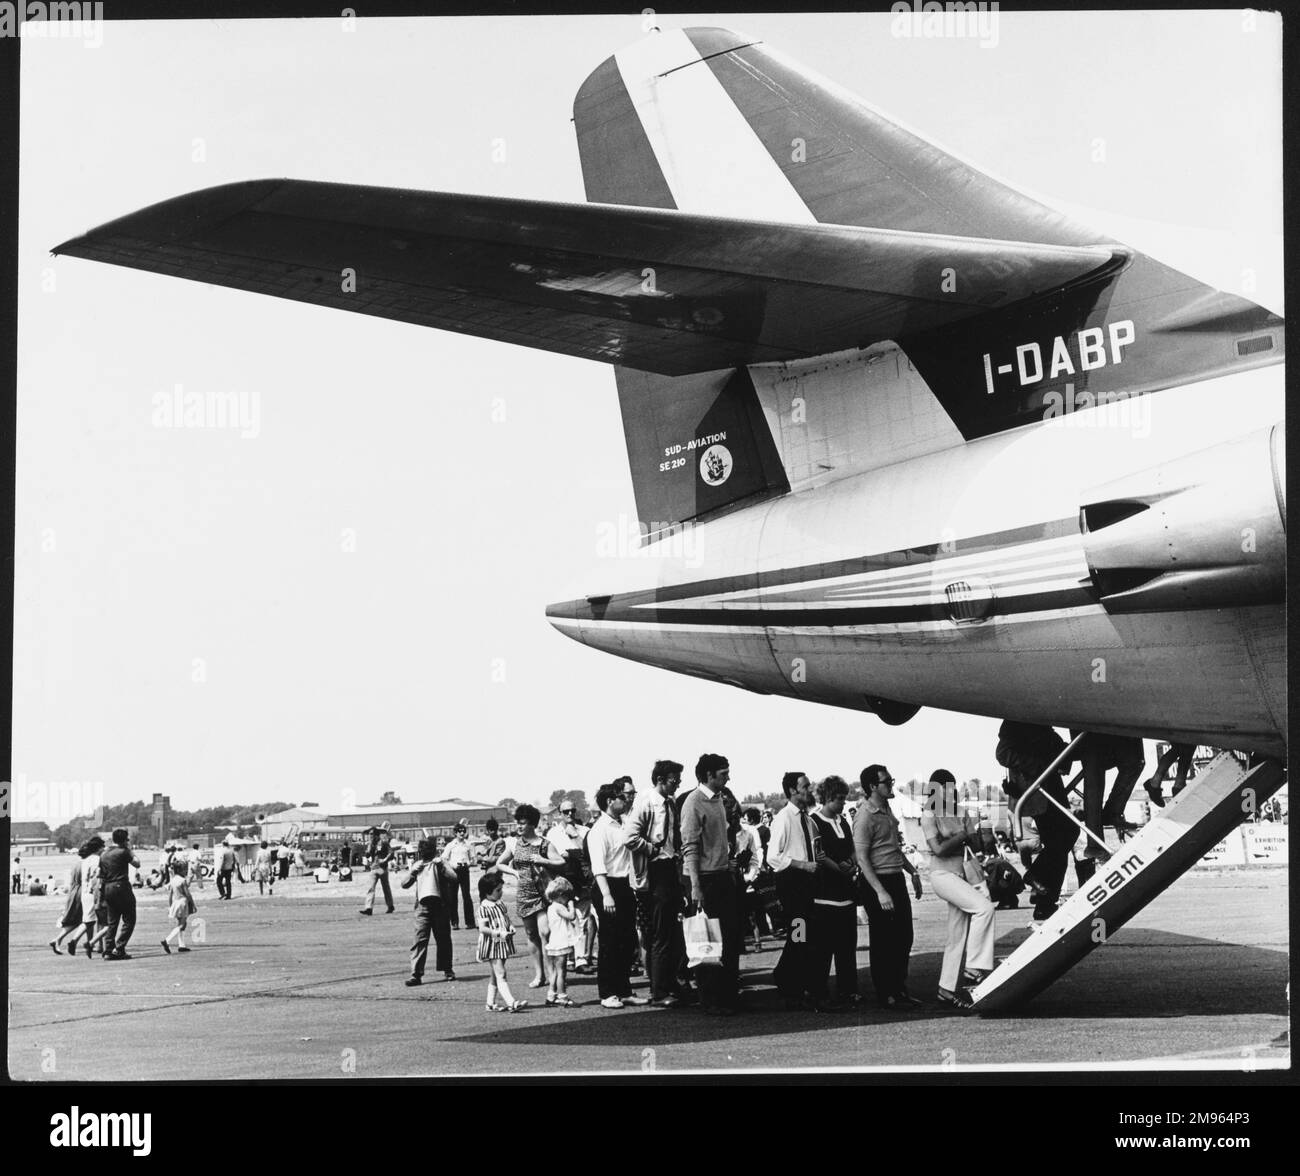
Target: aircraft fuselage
x,y
973,579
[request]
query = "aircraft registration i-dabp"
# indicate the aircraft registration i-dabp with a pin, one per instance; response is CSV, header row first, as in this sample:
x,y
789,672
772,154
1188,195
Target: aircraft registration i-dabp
x,y
932,442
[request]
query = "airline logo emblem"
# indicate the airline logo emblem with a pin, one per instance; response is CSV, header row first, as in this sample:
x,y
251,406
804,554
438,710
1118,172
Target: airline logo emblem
x,y
1060,357
716,465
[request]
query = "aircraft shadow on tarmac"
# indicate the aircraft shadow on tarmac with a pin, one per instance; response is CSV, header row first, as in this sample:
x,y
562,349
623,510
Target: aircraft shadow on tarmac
x,y
1156,975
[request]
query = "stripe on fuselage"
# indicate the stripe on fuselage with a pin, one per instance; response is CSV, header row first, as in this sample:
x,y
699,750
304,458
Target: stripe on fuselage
x,y
804,596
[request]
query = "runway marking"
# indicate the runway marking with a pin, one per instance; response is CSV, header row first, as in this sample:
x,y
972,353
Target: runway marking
x,y
178,1000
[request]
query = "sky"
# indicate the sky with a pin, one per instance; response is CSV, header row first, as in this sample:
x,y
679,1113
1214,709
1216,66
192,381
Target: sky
x,y
346,596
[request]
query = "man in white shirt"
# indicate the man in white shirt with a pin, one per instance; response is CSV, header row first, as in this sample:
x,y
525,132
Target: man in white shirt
x,y
568,835
194,864
792,852
653,836
457,855
611,866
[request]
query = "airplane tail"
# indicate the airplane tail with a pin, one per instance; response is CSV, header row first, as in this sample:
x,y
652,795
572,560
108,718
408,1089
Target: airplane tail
x,y
710,122
713,122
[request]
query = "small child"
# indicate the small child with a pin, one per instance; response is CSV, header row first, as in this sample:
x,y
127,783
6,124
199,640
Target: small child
x,y
496,942
562,915
181,906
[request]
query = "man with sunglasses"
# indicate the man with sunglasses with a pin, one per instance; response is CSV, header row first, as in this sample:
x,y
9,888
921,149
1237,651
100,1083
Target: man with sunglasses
x,y
878,848
641,937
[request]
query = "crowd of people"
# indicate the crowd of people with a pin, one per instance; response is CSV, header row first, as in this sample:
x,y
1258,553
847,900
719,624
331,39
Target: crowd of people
x,y
617,891
612,896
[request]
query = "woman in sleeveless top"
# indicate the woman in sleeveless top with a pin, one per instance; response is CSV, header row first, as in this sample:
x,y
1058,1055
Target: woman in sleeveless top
x,y
834,910
970,914
533,860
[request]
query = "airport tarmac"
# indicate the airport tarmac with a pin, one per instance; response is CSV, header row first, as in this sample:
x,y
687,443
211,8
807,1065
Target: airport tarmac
x,y
300,986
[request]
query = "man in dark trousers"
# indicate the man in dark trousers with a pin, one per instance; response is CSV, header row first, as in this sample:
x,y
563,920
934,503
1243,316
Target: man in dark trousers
x,y
227,864
1025,750
611,866
878,849
380,854
793,852
653,835
1098,754
714,888
457,855
115,865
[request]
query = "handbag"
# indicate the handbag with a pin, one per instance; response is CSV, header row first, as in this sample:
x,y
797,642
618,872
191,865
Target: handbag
x,y
974,872
769,899
703,940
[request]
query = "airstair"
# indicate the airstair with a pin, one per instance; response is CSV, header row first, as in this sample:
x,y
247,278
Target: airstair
x,y
1213,804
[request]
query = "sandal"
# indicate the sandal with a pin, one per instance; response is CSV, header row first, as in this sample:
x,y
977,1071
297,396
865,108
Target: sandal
x,y
564,1001
496,1008
517,1007
975,976
957,1000
537,983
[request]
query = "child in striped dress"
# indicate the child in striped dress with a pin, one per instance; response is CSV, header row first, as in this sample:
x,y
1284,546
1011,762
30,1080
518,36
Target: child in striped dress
x,y
496,942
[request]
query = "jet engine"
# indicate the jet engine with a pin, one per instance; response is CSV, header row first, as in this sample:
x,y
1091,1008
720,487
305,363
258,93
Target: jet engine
x,y
1204,531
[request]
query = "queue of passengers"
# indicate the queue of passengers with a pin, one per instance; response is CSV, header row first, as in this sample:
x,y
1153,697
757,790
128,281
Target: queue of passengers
x,y
651,858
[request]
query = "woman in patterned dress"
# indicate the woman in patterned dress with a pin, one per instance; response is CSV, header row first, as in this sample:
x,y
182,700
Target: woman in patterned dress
x,y
73,919
532,860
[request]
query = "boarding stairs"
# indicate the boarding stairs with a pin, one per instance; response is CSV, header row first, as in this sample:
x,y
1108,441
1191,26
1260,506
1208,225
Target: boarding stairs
x,y
1214,803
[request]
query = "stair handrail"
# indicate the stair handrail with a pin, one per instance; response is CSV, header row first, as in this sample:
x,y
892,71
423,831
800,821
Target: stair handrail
x,y
1063,757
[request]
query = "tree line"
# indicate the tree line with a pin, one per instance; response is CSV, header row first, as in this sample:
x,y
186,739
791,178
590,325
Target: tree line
x,y
139,813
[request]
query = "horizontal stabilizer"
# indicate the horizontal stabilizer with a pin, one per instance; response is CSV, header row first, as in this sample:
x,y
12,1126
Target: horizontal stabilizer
x,y
652,289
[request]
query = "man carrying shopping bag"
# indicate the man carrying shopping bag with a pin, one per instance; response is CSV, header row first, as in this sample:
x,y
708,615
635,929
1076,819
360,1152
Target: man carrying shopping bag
x,y
713,885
